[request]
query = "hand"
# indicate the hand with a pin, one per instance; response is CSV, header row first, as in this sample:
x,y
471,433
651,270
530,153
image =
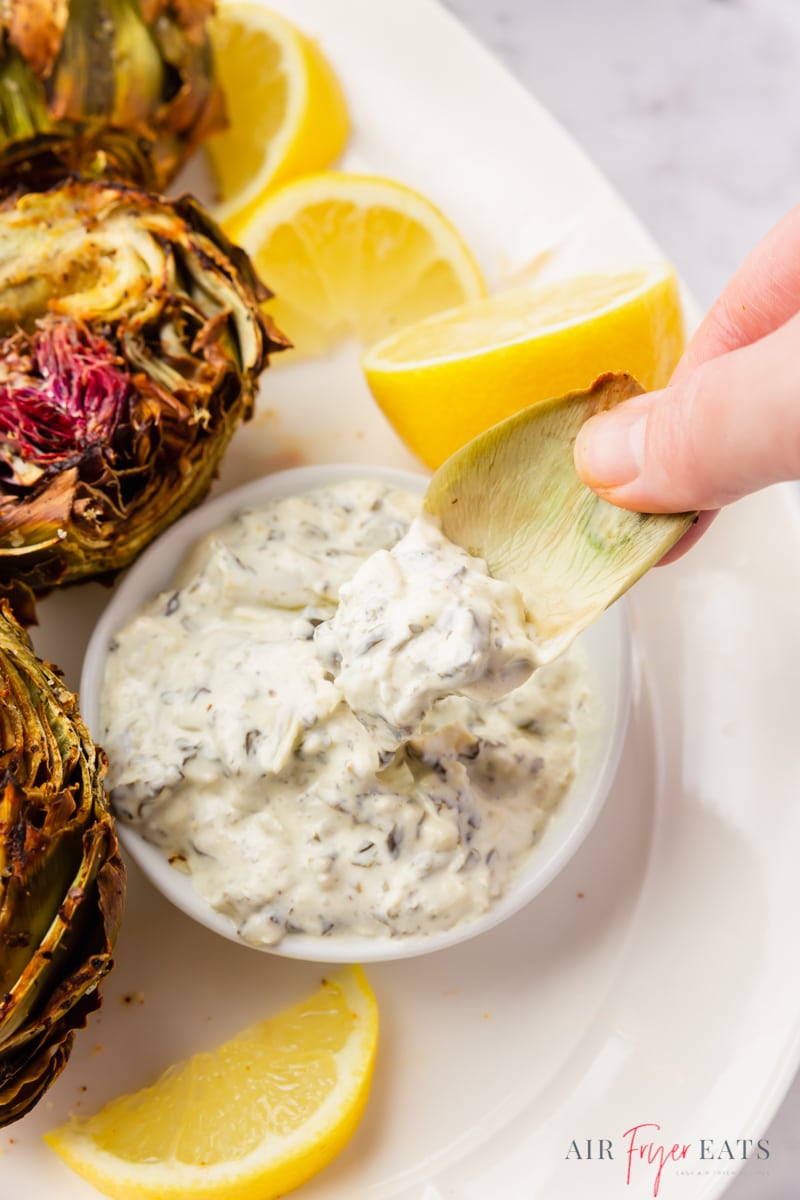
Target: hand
x,y
729,421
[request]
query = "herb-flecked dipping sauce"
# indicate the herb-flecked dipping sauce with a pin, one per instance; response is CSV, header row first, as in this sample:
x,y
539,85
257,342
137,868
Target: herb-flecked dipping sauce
x,y
377,766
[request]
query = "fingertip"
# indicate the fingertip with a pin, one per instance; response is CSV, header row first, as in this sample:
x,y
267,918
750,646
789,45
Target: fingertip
x,y
609,448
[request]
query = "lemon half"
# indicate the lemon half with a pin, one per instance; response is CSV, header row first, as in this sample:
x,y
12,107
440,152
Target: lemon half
x,y
248,1121
444,380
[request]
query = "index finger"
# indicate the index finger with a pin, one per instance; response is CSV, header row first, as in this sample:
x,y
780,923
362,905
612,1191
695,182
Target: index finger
x,y
762,294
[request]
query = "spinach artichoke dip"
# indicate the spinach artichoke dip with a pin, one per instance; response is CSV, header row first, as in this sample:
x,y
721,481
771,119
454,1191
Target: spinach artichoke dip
x,y
333,723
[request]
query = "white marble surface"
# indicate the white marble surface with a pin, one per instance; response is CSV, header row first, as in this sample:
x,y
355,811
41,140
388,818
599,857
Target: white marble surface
x,y
690,109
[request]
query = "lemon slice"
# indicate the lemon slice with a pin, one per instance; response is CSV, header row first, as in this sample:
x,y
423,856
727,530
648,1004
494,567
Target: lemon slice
x,y
286,110
248,1121
444,380
355,254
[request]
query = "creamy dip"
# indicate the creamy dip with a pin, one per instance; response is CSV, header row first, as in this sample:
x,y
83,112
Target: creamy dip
x,y
313,721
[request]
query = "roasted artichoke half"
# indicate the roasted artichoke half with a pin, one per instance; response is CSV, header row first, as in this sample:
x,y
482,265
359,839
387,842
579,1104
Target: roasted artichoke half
x,y
131,341
62,882
119,88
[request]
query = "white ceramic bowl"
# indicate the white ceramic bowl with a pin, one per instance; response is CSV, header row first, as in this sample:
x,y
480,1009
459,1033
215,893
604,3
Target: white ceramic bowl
x,y
606,647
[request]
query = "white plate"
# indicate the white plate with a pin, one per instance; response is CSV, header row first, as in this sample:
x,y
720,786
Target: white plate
x,y
657,979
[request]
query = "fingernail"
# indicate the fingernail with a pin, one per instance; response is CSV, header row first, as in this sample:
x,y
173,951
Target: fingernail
x,y
609,451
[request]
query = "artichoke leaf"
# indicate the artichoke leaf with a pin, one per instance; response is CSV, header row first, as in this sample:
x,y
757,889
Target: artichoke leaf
x,y
36,30
102,88
134,340
22,1086
61,877
513,497
47,948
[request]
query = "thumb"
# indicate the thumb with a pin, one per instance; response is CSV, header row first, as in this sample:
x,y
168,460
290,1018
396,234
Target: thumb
x,y
727,428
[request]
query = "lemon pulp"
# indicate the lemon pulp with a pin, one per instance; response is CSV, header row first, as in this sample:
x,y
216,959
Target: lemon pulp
x,y
250,1120
444,380
355,255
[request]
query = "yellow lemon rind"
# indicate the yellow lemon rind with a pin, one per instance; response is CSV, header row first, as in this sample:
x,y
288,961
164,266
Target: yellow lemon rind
x,y
436,402
316,125
352,254
272,1169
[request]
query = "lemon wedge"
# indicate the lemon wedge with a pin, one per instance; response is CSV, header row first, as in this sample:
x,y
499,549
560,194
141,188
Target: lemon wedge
x,y
286,110
355,255
248,1121
444,380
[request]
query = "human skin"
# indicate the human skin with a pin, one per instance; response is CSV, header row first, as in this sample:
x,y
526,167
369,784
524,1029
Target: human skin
x,y
729,421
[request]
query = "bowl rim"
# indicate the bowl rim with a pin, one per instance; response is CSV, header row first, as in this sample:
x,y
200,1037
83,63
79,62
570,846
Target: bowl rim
x,y
151,574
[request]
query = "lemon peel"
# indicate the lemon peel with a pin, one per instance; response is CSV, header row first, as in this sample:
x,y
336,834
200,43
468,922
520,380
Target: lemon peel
x,y
361,255
287,113
444,380
250,1120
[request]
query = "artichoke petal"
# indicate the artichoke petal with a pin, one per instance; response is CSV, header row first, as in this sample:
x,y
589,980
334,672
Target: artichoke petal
x,y
513,497
21,1087
36,30
131,343
105,87
61,877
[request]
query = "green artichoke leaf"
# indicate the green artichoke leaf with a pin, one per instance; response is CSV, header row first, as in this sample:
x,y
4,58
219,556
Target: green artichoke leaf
x,y
117,74
103,270
113,88
61,877
132,340
22,104
57,975
513,497
22,1087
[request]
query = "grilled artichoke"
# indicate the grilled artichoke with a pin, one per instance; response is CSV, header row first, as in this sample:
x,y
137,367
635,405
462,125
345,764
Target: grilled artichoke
x,y
62,882
131,340
119,88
